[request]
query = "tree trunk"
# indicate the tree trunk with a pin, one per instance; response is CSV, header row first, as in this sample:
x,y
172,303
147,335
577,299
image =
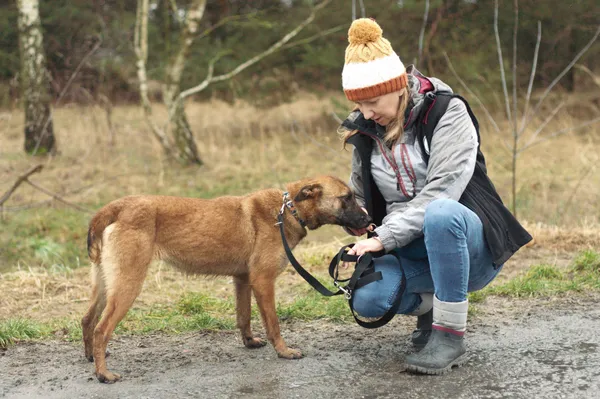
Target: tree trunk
x,y
178,141
185,147
39,135
572,51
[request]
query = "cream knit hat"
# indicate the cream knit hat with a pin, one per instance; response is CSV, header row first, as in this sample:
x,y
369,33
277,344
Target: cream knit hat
x,y
372,68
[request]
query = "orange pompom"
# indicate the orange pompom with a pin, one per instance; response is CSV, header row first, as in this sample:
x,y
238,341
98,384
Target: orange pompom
x,y
363,31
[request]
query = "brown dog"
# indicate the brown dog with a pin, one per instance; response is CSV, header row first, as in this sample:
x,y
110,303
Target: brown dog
x,y
236,236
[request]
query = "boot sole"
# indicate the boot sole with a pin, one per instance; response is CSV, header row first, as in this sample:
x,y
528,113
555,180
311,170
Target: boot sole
x,y
459,361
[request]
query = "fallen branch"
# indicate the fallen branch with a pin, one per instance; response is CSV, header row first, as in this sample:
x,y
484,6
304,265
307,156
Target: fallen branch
x,y
69,192
20,179
24,178
58,197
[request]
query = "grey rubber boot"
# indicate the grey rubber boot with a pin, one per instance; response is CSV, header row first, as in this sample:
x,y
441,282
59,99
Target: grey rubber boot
x,y
445,348
424,313
421,334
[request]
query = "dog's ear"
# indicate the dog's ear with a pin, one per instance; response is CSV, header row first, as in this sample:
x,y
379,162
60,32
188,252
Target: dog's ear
x,y
308,191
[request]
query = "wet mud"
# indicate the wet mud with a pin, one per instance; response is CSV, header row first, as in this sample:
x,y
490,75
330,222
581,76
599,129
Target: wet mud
x,y
532,349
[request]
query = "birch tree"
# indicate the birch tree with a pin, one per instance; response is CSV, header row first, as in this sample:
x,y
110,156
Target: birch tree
x,y
39,135
176,136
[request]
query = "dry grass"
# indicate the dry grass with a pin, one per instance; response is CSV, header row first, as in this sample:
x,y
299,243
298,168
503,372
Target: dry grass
x,y
244,149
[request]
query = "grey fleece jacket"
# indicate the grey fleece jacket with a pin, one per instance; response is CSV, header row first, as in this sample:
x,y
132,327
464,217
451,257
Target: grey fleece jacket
x,y
451,164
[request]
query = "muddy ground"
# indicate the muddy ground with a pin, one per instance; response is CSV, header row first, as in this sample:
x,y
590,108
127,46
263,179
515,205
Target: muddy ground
x,y
518,348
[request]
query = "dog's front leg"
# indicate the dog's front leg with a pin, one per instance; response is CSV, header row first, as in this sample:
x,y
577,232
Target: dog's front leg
x,y
243,297
264,292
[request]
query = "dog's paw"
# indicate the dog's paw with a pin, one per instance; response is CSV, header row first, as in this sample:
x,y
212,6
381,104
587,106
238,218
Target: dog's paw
x,y
290,353
107,377
254,342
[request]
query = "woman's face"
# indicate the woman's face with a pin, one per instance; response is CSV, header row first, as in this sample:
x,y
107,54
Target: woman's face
x,y
382,109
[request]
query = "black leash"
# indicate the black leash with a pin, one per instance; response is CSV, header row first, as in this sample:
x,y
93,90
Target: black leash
x,y
364,273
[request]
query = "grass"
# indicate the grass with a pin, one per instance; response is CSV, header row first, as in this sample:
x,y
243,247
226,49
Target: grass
x,y
244,149
43,243
547,280
192,312
196,311
16,330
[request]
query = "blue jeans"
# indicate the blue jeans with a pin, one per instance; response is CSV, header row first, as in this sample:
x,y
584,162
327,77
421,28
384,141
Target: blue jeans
x,y
451,259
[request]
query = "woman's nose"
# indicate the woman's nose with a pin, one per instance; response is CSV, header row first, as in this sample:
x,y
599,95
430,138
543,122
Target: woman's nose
x,y
368,114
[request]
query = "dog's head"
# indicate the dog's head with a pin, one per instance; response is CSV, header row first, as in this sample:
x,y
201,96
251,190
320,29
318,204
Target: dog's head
x,y
327,200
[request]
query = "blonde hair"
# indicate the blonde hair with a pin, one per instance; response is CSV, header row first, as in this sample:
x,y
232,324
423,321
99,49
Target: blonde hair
x,y
394,130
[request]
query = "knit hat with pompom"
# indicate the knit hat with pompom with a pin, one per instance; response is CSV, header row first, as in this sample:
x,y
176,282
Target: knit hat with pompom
x,y
372,68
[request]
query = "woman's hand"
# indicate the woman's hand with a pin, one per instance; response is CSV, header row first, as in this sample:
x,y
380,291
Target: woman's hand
x,y
360,232
364,246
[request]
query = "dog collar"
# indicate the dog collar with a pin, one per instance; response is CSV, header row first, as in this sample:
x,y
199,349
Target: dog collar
x,y
287,203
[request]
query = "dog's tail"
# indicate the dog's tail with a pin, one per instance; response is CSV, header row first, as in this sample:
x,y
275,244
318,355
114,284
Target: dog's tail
x,y
102,219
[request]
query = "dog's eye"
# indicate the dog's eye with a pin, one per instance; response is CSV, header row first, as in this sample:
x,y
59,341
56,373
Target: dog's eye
x,y
346,198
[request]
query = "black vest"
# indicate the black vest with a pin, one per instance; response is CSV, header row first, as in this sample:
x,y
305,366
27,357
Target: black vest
x,y
503,233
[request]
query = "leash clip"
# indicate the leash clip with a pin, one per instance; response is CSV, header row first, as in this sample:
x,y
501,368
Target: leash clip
x,y
347,292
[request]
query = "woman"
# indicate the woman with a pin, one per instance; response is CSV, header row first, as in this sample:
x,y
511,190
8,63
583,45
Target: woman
x,y
439,219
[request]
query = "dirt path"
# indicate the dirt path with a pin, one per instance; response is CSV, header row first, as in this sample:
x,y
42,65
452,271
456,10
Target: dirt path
x,y
518,349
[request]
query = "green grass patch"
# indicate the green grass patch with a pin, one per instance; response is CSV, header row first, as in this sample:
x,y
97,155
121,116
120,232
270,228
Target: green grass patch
x,y
314,306
193,311
546,280
44,237
587,262
15,330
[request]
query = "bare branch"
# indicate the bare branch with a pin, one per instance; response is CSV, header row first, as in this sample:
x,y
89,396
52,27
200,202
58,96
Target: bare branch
x,y
20,179
58,197
362,8
422,34
595,78
532,76
464,85
25,178
507,147
559,77
560,132
175,9
490,90
353,10
222,22
336,118
500,60
72,192
543,125
175,69
313,37
514,72
258,57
